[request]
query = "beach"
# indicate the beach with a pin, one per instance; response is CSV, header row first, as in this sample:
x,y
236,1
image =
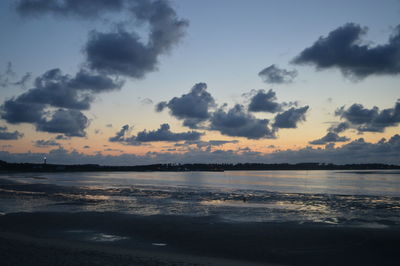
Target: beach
x,y
191,219
64,239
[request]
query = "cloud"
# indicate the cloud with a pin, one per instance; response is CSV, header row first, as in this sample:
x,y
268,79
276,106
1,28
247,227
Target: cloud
x,y
276,75
120,51
61,137
192,108
208,144
72,123
119,136
81,8
236,122
146,101
162,134
7,78
290,118
343,49
357,151
370,120
55,90
330,137
58,98
6,135
264,102
23,80
215,142
339,128
15,111
46,143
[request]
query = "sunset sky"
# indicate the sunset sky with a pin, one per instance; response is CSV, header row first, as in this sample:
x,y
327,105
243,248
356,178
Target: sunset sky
x,y
130,82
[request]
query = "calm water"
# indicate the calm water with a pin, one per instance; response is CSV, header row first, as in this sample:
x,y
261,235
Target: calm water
x,y
362,198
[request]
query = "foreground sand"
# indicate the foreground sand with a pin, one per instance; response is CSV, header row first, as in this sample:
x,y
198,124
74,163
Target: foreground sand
x,y
57,239
19,249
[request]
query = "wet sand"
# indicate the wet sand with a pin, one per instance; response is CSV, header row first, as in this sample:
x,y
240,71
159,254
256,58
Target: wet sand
x,y
57,238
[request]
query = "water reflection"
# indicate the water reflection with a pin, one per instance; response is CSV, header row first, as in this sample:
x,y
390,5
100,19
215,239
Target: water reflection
x,y
280,196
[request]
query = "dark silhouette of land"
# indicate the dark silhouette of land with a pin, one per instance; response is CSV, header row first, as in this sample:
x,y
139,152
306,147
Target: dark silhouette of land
x,y
32,167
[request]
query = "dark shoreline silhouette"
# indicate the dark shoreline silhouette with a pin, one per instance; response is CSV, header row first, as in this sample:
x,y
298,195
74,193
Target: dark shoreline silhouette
x,y
32,167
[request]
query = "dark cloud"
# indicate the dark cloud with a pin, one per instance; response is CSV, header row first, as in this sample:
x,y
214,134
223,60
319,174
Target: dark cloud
x,y
58,90
120,135
357,151
86,147
121,51
370,120
339,128
61,137
193,108
276,75
330,137
46,143
15,111
55,90
290,118
72,123
87,81
343,49
109,125
237,122
7,135
164,134
264,102
82,8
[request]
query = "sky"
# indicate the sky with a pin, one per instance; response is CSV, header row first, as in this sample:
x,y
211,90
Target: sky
x,y
128,82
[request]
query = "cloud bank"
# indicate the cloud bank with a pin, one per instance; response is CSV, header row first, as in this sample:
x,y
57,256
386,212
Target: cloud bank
x,y
357,151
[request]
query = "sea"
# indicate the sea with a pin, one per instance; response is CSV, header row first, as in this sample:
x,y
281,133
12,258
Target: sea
x,y
369,198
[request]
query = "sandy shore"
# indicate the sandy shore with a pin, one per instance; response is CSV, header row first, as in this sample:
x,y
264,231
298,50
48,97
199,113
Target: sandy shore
x,y
20,249
68,239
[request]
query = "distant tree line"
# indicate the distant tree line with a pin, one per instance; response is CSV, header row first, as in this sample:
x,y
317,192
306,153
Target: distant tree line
x,y
31,167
